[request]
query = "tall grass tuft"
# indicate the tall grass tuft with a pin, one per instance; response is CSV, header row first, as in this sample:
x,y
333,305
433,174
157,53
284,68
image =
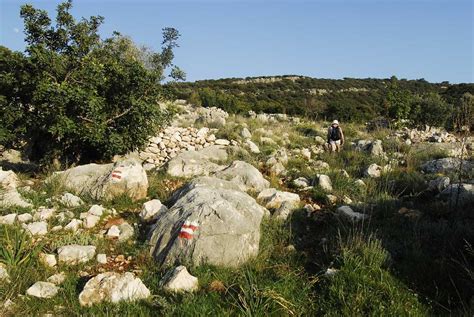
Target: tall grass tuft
x,y
363,285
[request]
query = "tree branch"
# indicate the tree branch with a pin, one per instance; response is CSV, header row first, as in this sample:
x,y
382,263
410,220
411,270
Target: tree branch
x,y
118,116
85,119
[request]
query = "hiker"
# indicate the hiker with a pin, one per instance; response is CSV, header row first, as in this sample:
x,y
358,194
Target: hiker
x,y
335,137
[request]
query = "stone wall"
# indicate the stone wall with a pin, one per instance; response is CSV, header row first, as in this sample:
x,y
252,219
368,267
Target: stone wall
x,y
172,141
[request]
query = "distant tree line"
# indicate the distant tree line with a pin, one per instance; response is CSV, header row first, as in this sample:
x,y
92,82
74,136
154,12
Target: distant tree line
x,y
415,102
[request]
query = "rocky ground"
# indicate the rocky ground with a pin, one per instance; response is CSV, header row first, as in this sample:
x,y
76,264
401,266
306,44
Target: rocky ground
x,y
231,215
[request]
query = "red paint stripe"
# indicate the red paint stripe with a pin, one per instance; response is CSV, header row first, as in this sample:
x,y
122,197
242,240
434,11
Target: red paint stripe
x,y
193,228
185,235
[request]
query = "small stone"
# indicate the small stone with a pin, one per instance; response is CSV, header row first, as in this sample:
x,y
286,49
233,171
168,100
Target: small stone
x,y
331,271
74,254
44,214
37,228
73,225
349,214
96,210
346,200
301,182
102,258
113,287
306,153
331,199
57,228
91,221
179,280
113,232
70,200
344,174
245,133
290,248
42,290
373,171
222,142
48,259
8,219
126,232
4,276
151,209
57,279
325,183
24,218
252,146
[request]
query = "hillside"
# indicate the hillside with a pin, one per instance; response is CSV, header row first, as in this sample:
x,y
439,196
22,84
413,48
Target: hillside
x,y
348,99
230,215
126,193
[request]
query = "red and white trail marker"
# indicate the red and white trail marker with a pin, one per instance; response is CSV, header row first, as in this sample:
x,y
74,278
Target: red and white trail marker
x,y
117,175
187,229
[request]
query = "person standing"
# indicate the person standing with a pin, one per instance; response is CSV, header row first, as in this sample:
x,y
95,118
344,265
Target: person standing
x,y
335,137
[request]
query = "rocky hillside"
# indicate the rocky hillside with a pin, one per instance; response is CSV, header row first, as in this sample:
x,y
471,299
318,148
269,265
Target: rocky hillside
x,y
244,215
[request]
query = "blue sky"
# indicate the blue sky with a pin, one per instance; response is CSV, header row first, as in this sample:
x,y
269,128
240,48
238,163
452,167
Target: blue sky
x,y
431,39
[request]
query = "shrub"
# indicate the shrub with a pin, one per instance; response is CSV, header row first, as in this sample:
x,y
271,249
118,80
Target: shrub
x,y
77,97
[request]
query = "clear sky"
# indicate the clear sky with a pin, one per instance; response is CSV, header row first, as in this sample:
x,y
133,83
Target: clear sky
x,y
431,39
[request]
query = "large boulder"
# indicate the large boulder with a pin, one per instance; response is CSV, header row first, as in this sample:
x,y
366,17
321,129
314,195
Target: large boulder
x,y
245,175
113,287
197,163
207,224
447,165
106,181
204,181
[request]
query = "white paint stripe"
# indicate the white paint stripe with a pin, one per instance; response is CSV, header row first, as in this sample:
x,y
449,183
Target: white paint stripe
x,y
187,230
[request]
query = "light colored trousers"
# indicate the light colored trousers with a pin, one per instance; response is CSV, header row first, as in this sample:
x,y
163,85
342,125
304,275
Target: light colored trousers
x,y
333,146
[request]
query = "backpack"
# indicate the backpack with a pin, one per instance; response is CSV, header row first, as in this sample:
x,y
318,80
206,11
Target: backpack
x,y
335,134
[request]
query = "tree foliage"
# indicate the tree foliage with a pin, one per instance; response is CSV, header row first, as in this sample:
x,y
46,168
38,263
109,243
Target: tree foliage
x,y
78,97
347,99
430,110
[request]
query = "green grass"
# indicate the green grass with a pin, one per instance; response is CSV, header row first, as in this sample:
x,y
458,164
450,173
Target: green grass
x,y
363,286
390,265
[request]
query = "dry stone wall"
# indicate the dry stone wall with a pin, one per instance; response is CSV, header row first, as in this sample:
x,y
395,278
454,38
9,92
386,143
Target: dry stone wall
x,y
172,141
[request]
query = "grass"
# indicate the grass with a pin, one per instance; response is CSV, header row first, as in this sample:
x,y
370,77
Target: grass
x,y
392,264
362,285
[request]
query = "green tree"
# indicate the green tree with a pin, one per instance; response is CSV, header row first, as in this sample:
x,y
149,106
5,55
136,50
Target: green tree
x,y
463,116
77,97
398,101
430,110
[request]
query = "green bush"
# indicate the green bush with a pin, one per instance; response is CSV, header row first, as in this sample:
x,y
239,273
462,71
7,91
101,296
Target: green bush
x,y
76,97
